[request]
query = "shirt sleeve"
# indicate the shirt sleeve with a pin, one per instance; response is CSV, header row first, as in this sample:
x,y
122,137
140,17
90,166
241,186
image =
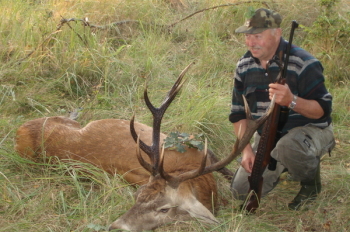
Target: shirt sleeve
x,y
311,86
237,106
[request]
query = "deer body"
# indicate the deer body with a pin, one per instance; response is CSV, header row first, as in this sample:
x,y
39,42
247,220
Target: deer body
x,y
105,143
174,186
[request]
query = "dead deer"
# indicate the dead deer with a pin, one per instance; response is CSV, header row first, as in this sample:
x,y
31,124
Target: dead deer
x,y
174,186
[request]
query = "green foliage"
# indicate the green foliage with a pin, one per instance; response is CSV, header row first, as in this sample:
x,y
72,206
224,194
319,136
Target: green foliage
x,y
329,4
179,141
328,37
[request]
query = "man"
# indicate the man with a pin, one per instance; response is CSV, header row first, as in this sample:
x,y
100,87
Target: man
x,y
308,133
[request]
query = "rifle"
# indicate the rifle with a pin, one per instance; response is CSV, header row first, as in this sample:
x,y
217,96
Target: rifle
x,y
271,133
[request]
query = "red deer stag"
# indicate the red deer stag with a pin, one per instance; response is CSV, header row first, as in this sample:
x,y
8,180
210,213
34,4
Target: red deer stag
x,y
174,186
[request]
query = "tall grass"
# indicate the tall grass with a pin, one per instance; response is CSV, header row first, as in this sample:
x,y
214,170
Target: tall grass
x,y
50,68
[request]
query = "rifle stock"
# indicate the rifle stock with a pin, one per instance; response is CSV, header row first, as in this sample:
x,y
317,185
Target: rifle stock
x,y
271,133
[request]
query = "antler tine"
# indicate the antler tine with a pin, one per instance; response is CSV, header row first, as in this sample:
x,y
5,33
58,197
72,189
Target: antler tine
x,y
143,146
134,135
141,160
163,174
268,111
153,150
170,96
246,109
176,87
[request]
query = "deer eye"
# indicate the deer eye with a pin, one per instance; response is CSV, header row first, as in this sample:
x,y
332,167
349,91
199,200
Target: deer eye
x,y
165,210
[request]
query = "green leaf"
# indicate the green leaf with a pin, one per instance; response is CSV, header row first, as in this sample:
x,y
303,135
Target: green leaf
x,y
180,148
179,141
184,135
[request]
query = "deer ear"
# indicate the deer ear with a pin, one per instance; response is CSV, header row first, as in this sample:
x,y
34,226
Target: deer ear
x,y
197,210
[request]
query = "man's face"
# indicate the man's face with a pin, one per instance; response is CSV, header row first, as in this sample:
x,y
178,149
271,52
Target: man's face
x,y
263,45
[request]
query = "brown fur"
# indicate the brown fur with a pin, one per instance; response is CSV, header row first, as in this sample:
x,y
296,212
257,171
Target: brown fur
x,y
108,144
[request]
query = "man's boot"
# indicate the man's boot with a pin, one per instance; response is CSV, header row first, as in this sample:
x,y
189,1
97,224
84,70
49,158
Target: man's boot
x,y
308,192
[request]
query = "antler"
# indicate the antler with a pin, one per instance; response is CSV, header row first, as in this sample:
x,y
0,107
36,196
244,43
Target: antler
x,y
157,158
153,150
238,147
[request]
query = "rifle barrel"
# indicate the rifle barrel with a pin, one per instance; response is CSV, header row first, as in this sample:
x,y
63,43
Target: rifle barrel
x,y
286,61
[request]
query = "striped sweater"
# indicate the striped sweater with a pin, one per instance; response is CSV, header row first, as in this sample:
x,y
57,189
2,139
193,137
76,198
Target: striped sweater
x,y
304,78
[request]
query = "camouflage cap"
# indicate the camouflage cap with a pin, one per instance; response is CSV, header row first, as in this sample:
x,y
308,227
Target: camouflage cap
x,y
262,19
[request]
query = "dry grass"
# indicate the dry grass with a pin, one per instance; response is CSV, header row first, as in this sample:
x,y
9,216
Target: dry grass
x,y
45,72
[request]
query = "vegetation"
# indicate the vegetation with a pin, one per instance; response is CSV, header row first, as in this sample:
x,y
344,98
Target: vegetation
x,y
57,56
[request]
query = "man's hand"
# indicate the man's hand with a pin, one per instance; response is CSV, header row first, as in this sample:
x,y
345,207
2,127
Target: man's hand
x,y
283,94
248,161
248,156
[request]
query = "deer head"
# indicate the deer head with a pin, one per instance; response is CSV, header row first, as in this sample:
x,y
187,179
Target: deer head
x,y
179,193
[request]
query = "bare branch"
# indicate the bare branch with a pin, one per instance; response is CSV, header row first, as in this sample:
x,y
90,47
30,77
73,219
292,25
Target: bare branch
x,y
86,23
215,7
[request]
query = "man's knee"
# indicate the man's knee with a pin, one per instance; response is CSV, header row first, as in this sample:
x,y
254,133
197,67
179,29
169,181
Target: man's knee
x,y
300,150
240,184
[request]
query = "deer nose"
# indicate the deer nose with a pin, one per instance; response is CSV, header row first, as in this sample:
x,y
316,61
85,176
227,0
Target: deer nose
x,y
118,227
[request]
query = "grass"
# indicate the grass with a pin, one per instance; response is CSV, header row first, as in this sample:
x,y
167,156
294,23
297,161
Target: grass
x,y
46,72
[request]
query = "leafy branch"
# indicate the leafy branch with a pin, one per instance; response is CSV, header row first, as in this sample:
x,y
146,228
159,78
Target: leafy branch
x,y
179,141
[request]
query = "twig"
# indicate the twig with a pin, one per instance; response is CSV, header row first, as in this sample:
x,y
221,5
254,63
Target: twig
x,y
67,22
215,7
87,23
